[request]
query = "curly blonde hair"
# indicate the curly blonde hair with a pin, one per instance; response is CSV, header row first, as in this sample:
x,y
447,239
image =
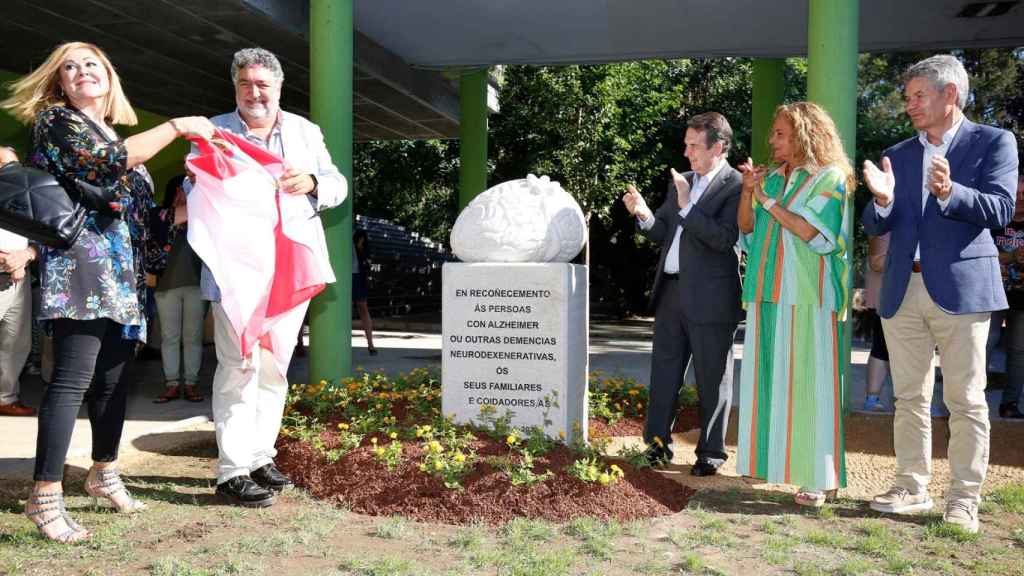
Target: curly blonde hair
x,y
40,89
816,142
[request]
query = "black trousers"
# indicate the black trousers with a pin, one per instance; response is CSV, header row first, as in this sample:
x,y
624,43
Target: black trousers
x,y
89,357
676,342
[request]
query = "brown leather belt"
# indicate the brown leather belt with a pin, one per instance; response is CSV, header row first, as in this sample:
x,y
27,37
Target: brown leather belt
x,y
916,267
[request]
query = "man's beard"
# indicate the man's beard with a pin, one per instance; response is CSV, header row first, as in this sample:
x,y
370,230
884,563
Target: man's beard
x,y
259,112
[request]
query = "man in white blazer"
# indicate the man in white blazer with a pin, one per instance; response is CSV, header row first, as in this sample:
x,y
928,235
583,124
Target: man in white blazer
x,y
249,393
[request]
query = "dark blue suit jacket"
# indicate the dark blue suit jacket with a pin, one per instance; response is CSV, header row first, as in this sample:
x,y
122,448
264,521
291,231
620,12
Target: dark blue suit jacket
x,y
958,258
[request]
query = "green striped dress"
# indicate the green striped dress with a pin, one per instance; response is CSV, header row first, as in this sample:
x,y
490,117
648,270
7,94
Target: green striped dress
x,y
791,381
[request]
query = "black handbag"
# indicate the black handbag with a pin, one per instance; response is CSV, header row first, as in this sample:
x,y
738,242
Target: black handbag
x,y
34,205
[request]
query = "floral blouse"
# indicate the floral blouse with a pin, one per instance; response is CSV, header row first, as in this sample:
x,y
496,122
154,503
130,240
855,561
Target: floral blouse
x,y
102,275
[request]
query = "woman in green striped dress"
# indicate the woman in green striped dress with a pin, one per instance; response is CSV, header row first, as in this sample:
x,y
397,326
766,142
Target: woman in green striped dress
x,y
794,225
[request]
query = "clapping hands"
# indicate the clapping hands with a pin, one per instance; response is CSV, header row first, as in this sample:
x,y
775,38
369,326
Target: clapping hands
x,y
753,175
635,203
881,182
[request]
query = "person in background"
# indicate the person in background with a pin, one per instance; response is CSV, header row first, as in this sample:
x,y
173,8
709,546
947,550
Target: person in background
x,y
15,312
878,359
360,290
795,232
90,293
173,272
1010,242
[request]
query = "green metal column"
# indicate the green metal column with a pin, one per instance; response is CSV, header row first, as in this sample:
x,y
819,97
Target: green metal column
x,y
832,34
330,71
769,89
472,135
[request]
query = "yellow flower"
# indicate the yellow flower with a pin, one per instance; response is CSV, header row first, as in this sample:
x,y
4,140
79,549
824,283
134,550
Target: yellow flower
x,y
379,451
511,440
393,435
460,457
423,467
604,479
633,392
616,471
561,435
435,446
342,426
438,465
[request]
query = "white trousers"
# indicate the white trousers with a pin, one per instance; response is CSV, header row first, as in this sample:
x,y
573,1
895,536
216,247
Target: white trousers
x,y
248,398
15,335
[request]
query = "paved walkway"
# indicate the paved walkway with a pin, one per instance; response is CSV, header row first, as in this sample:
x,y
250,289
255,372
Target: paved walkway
x,y
619,347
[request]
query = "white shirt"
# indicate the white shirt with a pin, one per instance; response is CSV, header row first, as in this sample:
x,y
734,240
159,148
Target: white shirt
x,y
930,151
9,241
697,189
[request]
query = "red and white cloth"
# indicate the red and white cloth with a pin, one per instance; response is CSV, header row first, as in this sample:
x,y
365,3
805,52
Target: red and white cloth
x,y
242,229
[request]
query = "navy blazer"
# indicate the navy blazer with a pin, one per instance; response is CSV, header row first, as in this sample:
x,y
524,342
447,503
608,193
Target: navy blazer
x,y
958,257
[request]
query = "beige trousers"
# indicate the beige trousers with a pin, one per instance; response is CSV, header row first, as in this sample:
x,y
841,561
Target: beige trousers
x,y
911,335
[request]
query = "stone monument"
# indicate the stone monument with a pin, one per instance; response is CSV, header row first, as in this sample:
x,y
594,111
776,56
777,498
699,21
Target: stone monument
x,y
515,312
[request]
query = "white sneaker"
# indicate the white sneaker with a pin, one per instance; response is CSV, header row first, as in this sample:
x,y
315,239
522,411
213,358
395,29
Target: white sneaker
x,y
900,501
962,512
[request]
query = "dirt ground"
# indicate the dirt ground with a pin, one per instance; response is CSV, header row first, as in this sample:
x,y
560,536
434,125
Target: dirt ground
x,y
731,526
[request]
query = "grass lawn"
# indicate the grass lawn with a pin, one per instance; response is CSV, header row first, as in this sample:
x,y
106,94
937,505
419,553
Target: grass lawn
x,y
186,532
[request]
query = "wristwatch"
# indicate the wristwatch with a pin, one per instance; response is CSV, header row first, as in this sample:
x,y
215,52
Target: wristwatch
x,y
768,204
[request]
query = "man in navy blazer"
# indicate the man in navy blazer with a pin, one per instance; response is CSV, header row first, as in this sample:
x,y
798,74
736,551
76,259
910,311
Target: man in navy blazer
x,y
939,193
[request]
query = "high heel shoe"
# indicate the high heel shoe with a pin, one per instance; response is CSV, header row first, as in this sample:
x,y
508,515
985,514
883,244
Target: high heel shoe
x,y
814,498
54,502
107,484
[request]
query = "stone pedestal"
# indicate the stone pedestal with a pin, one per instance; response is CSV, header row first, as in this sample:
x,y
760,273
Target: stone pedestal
x,y
516,338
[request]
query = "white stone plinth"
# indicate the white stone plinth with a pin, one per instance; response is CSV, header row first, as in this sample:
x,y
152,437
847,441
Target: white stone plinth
x,y
515,337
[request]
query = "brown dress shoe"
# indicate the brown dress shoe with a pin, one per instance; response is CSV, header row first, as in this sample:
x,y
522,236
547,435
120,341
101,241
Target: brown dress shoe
x,y
16,409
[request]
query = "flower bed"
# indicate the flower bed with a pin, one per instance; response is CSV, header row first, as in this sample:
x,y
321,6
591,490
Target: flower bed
x,y
381,446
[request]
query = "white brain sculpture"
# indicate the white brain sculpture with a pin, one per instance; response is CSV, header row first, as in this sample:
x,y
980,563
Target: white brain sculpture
x,y
527,220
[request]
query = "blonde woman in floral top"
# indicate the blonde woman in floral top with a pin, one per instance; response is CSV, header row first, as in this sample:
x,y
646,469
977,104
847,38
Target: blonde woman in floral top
x,y
90,291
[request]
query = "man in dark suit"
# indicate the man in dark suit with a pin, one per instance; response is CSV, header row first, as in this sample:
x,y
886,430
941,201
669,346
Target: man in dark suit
x,y
939,193
696,294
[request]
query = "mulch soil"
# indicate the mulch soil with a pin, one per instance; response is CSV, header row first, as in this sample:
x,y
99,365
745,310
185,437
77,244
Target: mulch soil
x,y
361,483
686,420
